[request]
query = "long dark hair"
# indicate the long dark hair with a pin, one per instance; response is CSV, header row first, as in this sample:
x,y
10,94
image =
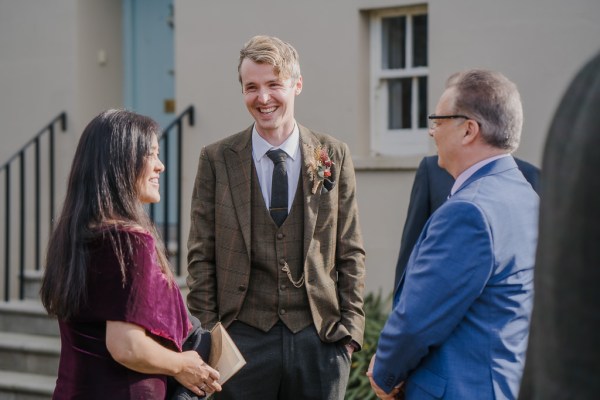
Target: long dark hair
x,y
101,192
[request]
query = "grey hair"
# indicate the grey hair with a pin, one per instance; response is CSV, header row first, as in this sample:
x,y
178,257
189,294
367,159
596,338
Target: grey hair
x,y
493,101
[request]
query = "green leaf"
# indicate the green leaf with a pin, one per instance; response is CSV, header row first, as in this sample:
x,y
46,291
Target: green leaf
x,y
376,312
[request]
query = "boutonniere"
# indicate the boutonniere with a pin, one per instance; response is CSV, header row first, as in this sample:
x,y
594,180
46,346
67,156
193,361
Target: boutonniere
x,y
320,169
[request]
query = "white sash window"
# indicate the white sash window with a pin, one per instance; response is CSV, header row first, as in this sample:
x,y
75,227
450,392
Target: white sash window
x,y
399,69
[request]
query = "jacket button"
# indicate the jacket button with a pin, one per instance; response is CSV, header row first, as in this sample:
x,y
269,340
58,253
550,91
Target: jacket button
x,y
242,288
282,311
280,236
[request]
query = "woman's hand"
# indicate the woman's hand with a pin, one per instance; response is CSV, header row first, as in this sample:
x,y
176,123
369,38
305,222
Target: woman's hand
x,y
130,346
196,375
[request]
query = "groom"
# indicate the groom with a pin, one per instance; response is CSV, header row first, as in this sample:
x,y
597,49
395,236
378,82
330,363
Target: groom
x,y
275,248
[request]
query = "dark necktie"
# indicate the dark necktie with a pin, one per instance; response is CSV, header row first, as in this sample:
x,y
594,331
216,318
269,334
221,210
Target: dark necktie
x,y
279,186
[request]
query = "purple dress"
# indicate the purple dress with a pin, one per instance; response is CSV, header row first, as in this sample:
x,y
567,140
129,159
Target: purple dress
x,y
87,370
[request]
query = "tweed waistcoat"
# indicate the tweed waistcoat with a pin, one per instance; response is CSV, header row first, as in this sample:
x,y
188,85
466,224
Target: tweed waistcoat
x,y
271,295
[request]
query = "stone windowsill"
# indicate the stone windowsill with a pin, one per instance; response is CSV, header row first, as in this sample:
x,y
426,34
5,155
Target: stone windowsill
x,y
387,163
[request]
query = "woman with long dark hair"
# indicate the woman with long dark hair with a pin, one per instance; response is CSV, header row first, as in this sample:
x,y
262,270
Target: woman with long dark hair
x,y
121,316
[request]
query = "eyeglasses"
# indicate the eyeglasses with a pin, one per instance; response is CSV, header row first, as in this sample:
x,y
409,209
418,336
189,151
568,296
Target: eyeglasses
x,y
433,119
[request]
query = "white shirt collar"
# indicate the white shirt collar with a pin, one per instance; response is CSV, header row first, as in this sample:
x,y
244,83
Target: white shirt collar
x,y
291,145
466,174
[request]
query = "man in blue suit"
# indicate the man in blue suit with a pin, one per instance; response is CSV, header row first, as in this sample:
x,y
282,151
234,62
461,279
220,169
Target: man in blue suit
x,y
430,190
460,322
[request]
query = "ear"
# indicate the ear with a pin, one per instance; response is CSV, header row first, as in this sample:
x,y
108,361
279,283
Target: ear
x,y
472,131
298,85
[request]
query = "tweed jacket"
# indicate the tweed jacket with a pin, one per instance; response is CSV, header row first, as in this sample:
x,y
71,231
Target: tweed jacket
x,y
220,237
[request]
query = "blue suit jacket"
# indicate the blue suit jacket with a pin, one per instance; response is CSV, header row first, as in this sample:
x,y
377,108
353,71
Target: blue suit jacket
x,y
430,190
460,323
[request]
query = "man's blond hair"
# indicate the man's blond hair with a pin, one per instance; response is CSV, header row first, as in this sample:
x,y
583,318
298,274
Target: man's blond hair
x,y
273,51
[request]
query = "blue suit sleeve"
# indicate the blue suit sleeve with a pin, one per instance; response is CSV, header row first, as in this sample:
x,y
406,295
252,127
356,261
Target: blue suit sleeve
x,y
449,269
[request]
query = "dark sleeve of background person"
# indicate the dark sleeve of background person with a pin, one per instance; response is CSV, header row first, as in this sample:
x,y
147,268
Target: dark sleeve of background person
x,y
531,173
430,189
563,359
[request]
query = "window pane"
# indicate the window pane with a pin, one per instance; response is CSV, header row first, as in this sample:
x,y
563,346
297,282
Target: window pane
x,y
420,40
422,102
394,42
399,95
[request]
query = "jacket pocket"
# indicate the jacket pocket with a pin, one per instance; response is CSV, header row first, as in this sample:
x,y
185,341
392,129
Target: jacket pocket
x,y
423,381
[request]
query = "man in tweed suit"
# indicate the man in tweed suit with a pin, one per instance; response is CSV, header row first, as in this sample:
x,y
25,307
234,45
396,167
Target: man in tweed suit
x,y
289,293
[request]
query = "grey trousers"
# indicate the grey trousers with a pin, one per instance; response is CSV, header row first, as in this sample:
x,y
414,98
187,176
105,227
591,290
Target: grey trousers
x,y
282,365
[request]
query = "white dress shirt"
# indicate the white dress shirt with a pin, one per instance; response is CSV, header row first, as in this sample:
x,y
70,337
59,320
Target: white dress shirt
x,y
264,165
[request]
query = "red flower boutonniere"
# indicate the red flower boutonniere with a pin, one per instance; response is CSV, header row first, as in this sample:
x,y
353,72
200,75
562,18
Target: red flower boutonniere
x,y
320,168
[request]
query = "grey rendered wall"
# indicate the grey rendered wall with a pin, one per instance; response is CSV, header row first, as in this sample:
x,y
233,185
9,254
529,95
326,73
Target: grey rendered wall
x,y
537,43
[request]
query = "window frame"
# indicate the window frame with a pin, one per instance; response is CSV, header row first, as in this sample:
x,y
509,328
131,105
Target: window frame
x,y
395,142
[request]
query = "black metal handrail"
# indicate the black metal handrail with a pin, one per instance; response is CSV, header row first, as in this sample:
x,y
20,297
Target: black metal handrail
x,y
161,213
166,214
20,159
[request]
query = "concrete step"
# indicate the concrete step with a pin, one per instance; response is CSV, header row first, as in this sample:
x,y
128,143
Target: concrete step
x,y
24,386
26,316
33,283
35,354
29,316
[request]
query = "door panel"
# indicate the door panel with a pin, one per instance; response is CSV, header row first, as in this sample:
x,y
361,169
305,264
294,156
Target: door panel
x,y
149,58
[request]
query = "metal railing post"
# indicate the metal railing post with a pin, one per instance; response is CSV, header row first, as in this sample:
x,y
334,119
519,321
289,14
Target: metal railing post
x,y
22,228
173,197
22,245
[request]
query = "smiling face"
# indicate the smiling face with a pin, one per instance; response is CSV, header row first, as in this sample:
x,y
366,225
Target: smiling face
x,y
269,98
148,186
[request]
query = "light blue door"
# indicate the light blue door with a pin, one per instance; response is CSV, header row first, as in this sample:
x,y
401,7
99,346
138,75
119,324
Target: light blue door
x,y
149,58
149,84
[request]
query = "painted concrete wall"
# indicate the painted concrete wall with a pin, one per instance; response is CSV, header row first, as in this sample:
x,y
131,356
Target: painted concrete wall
x,y
37,63
539,44
49,62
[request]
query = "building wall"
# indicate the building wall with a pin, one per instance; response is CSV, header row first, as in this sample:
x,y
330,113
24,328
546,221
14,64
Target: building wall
x,y
539,44
99,58
36,44
51,61
48,64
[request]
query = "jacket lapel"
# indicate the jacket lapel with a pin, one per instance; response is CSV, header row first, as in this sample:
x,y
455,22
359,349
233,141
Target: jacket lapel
x,y
239,164
308,144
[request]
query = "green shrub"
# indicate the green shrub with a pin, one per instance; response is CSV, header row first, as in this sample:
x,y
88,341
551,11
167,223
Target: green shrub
x,y
376,312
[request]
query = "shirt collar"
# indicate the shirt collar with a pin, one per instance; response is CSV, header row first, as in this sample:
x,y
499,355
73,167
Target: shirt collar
x,y
466,174
291,145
